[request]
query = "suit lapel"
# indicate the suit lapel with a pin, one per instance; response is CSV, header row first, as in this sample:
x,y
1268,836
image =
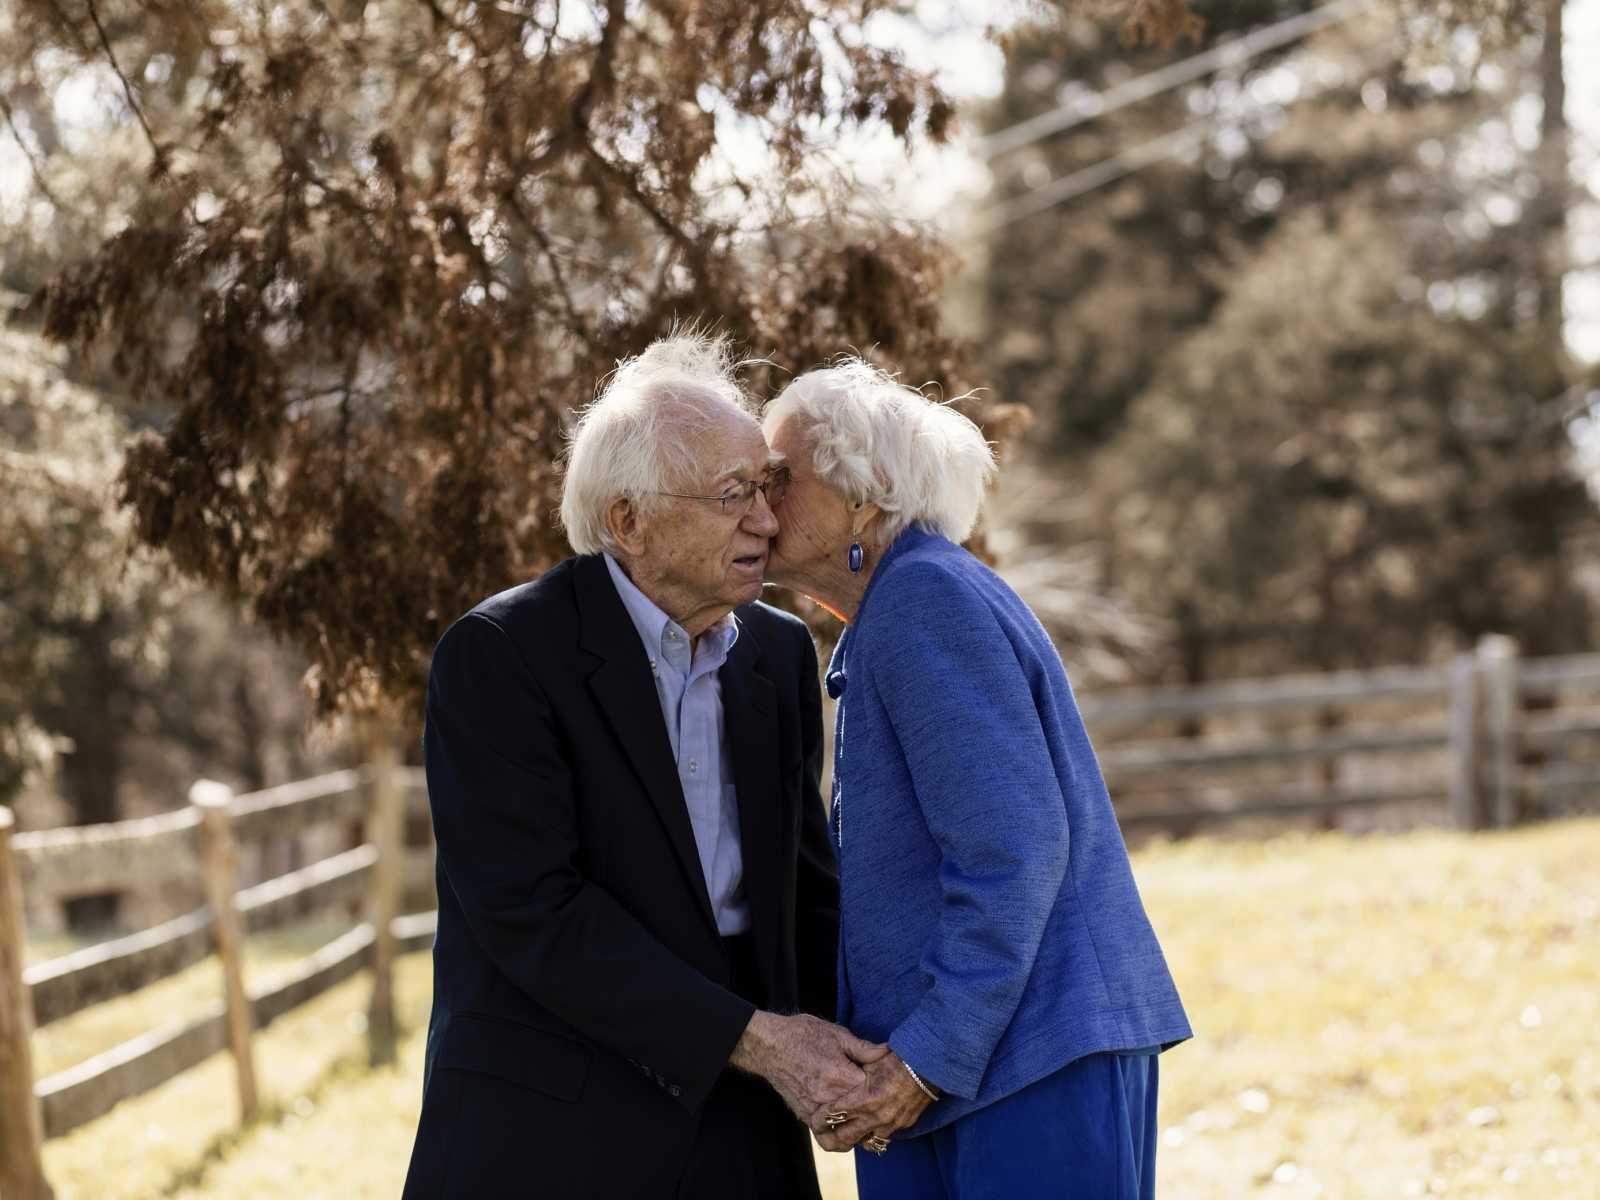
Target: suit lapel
x,y
750,724
626,693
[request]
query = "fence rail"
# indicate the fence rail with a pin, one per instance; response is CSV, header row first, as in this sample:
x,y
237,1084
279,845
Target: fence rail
x,y
91,1089
65,985
111,857
198,844
1106,709
293,807
115,856
1494,753
1176,753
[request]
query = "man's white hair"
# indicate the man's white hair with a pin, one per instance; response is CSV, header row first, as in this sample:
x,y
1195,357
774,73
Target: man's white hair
x,y
638,436
879,441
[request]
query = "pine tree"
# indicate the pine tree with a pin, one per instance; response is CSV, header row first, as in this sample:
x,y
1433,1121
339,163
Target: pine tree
x,y
1301,371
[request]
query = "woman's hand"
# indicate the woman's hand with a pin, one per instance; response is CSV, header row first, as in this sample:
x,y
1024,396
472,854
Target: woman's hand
x,y
804,1058
886,1103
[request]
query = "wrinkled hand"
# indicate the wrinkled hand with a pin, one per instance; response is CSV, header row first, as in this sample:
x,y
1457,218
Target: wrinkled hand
x,y
807,1061
888,1101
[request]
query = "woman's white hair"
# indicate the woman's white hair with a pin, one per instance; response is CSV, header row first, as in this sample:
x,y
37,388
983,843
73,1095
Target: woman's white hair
x,y
638,436
878,441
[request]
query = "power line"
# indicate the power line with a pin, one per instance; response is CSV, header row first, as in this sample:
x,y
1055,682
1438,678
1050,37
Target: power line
x,y
1109,170
1125,163
1228,54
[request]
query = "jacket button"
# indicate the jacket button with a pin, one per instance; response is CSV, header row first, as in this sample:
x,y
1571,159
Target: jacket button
x,y
675,1090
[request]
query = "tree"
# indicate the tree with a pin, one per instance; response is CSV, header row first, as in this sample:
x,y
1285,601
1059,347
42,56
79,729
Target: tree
x,y
64,550
1085,299
392,246
122,682
1341,404
1361,480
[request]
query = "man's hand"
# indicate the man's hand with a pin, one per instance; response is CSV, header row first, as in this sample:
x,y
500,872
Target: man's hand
x,y
888,1101
807,1061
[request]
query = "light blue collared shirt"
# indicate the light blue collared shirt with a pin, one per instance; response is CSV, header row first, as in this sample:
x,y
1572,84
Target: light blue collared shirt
x,y
691,704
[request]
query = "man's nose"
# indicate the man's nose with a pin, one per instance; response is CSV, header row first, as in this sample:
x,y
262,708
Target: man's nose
x,y
760,519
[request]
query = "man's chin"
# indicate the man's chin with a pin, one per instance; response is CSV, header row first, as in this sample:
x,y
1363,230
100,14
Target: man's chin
x,y
777,572
746,591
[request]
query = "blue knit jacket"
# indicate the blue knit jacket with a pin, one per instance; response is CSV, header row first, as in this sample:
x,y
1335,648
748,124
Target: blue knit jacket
x,y
992,931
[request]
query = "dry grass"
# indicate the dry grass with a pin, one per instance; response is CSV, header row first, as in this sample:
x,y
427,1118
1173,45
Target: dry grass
x,y
1384,1017
168,1141
1401,1016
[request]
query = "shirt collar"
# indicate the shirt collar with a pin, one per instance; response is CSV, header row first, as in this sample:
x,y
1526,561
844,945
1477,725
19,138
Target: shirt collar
x,y
653,624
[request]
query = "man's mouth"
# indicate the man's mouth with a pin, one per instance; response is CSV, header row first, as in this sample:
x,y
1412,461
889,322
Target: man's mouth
x,y
752,560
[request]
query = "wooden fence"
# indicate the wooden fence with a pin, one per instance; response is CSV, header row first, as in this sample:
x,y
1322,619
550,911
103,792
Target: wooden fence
x,y
1488,739
200,845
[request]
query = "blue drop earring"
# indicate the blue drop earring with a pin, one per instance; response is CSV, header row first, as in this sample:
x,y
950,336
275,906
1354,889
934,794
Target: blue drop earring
x,y
855,558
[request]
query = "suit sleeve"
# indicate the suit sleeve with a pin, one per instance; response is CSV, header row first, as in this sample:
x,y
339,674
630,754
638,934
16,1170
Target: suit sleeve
x,y
505,821
817,878
962,710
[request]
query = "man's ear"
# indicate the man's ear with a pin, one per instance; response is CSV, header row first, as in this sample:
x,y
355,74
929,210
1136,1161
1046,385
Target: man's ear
x,y
625,526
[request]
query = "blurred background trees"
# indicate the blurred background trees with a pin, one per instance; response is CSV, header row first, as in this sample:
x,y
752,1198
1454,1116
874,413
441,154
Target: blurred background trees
x,y
128,684
1308,364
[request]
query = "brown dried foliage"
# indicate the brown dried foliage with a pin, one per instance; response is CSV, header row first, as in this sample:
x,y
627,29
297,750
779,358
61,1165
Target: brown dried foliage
x,y
1139,22
385,249
1161,23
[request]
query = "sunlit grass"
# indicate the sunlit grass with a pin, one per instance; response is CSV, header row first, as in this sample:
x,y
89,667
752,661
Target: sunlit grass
x,y
168,1140
1380,1017
1399,1016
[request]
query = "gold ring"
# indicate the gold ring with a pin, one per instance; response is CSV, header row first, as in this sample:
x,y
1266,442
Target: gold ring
x,y
876,1144
836,1119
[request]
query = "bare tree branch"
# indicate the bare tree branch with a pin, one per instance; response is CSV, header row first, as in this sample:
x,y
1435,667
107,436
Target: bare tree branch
x,y
33,163
127,90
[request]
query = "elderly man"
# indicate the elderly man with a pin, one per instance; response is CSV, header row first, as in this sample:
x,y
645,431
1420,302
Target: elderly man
x,y
636,885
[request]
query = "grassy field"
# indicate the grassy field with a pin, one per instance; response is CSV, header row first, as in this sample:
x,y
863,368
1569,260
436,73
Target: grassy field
x,y
1401,1016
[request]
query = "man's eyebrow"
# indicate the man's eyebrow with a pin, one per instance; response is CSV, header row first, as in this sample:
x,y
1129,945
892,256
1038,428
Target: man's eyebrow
x,y
740,471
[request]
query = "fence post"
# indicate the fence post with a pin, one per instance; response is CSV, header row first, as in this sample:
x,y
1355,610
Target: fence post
x,y
1497,659
220,863
386,832
21,1124
1466,808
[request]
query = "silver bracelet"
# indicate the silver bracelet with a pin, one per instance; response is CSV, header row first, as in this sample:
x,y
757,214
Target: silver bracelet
x,y
917,1079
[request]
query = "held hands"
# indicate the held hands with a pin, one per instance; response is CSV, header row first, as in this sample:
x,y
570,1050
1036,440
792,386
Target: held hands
x,y
888,1101
805,1059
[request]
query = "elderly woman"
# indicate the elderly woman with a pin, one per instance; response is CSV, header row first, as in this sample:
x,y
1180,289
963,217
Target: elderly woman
x,y
992,933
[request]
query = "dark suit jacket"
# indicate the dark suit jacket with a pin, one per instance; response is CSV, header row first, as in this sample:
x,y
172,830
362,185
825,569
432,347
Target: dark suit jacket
x,y
581,1010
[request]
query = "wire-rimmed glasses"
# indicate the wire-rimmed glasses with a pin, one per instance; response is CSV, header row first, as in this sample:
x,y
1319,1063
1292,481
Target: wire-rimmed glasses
x,y
737,498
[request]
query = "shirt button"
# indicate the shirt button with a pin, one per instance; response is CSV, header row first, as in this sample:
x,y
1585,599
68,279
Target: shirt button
x,y
693,766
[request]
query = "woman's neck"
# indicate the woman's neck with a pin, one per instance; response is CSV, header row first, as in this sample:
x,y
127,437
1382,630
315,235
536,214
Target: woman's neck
x,y
839,589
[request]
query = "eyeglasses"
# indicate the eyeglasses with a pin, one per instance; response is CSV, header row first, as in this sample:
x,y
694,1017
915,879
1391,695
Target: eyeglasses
x,y
738,498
